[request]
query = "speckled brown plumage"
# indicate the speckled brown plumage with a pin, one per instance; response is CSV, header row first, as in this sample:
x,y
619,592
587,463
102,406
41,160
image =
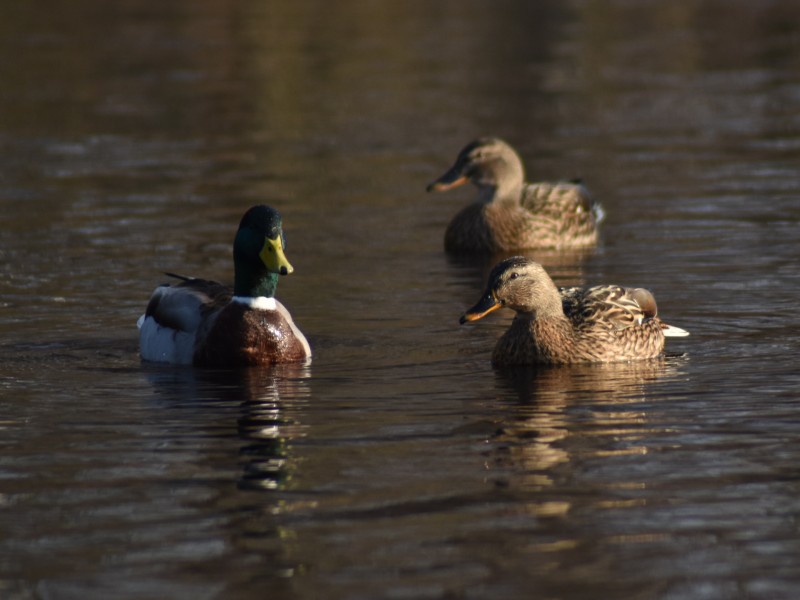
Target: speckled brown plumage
x,y
510,214
570,325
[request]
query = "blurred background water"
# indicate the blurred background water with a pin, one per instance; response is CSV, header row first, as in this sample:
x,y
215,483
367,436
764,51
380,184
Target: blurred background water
x,y
399,463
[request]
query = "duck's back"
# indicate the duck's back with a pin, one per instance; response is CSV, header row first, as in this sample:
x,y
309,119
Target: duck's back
x,y
548,215
566,214
613,322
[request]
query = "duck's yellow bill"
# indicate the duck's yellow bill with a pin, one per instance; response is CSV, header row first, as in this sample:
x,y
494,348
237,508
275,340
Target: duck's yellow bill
x,y
273,257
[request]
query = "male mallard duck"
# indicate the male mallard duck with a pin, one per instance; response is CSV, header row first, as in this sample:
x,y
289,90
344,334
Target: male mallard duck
x,y
207,324
510,214
559,326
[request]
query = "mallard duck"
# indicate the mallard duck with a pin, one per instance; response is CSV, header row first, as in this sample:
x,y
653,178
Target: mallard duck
x,y
569,325
207,324
510,214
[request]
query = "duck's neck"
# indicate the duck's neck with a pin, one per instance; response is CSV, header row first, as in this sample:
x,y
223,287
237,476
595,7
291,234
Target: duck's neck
x,y
551,307
553,314
502,192
541,303
252,284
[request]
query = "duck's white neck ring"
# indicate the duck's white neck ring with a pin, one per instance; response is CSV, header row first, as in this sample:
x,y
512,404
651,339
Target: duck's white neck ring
x,y
258,302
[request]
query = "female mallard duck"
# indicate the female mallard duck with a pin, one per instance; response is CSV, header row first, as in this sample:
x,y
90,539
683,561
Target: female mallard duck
x,y
207,324
510,214
569,325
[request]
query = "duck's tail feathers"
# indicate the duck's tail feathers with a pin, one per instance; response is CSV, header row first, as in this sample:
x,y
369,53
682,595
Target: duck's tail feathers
x,y
176,276
672,331
599,212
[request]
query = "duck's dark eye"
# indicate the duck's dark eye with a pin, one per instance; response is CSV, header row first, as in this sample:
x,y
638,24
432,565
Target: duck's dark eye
x,y
513,275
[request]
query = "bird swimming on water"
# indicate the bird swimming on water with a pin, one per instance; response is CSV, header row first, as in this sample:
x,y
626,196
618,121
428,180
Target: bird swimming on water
x,y
206,324
510,214
569,325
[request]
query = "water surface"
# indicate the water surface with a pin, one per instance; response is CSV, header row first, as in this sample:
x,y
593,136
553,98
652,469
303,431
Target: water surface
x,y
399,463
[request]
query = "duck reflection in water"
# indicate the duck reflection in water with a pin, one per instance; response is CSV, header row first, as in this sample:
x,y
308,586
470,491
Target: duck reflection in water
x,y
265,403
268,423
229,432
558,417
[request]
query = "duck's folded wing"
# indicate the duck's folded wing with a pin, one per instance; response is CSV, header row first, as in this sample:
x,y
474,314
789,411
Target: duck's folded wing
x,y
184,307
559,199
608,305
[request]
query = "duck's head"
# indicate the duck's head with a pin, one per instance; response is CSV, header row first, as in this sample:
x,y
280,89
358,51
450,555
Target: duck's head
x,y
258,253
520,284
490,164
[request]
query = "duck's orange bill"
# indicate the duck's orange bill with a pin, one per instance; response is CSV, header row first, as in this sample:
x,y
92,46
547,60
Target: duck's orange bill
x,y
443,184
486,305
453,177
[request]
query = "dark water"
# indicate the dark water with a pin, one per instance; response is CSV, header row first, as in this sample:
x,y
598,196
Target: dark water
x,y
399,464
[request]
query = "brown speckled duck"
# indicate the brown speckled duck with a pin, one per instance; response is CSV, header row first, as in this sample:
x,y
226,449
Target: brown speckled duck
x,y
510,214
569,325
207,324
